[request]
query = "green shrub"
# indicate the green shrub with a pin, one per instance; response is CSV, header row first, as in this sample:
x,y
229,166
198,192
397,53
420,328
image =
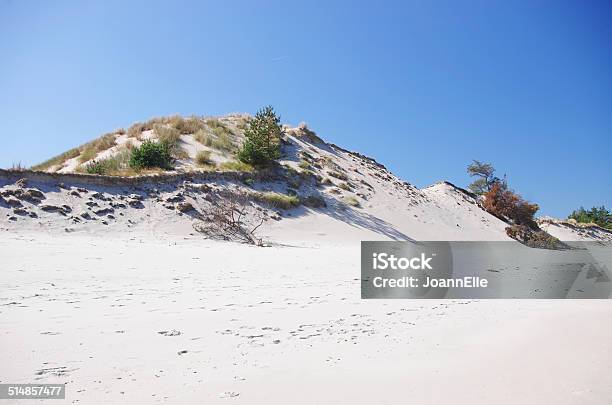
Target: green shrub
x,y
203,158
151,154
278,200
262,138
97,167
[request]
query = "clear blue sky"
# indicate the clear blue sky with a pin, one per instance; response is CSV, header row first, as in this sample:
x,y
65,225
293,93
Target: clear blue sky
x,y
422,86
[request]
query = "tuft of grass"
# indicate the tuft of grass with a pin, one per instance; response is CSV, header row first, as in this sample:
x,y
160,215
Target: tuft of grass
x,y
203,159
57,160
304,165
344,186
352,201
224,143
115,165
203,137
338,175
87,154
189,125
168,135
236,166
277,200
17,167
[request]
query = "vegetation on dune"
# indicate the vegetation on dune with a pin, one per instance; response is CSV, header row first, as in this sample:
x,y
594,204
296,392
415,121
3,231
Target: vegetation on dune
x,y
236,166
485,179
203,159
151,154
114,165
277,200
352,201
57,160
189,125
505,203
203,137
499,200
262,138
600,216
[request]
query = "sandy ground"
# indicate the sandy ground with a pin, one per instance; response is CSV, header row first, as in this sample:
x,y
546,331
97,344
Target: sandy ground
x,y
122,319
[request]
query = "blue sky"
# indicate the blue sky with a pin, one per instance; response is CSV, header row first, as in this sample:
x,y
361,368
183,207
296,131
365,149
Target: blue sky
x,y
422,86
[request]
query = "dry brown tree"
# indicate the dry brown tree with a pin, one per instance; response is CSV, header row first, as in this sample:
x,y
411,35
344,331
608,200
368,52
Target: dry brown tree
x,y
231,218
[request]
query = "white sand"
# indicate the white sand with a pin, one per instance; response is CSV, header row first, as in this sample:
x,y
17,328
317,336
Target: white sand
x,y
275,325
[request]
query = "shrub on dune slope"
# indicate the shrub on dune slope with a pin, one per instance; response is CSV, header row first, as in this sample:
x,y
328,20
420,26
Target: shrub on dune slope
x,y
151,154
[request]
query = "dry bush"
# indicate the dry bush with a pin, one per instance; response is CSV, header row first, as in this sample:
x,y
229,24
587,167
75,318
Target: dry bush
x,y
203,137
504,203
189,125
338,175
203,158
534,238
345,186
227,220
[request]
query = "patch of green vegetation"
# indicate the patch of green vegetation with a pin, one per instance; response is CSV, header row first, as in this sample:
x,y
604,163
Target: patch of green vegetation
x,y
236,166
277,200
151,154
262,138
599,216
304,164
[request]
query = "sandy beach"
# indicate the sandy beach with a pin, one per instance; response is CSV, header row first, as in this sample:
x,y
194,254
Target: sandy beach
x,y
181,320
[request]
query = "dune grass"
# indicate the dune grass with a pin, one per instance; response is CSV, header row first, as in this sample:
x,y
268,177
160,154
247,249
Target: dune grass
x,y
203,159
277,200
352,201
236,166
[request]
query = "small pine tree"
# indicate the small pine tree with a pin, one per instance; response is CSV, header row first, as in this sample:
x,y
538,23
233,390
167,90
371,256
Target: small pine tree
x,y
485,179
262,138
